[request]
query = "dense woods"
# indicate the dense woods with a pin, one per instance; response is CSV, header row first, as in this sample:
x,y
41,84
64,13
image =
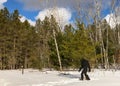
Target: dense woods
x,y
45,45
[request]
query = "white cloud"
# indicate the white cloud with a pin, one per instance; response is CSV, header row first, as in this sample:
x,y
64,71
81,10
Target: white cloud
x,y
1,3
62,15
41,4
112,20
23,18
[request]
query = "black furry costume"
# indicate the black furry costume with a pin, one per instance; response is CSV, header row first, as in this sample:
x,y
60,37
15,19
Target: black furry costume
x,y
85,66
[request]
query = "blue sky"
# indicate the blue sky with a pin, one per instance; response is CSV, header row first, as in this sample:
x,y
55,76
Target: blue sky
x,y
34,9
14,4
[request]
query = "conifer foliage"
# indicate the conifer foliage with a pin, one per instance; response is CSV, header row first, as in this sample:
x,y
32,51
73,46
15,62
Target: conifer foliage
x,y
46,46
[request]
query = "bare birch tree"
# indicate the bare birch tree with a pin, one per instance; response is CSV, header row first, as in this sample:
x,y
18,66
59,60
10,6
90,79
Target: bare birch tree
x,y
53,11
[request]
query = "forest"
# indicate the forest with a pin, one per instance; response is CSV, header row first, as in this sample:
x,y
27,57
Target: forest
x,y
45,45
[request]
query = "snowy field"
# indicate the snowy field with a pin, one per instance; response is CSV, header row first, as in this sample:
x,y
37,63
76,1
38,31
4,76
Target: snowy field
x,y
55,78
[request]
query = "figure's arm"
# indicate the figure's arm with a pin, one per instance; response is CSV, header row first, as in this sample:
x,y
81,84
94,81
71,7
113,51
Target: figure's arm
x,y
89,67
79,69
81,66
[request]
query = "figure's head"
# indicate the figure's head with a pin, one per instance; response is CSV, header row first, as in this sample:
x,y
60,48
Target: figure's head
x,y
83,59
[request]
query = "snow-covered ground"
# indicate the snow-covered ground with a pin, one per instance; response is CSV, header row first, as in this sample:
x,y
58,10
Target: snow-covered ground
x,y
55,78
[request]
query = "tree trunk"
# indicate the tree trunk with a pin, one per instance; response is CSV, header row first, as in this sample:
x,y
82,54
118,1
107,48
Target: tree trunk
x,y
107,50
118,36
114,62
0,59
14,54
59,59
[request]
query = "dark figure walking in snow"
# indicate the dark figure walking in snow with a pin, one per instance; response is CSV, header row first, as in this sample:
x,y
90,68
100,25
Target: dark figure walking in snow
x,y
85,66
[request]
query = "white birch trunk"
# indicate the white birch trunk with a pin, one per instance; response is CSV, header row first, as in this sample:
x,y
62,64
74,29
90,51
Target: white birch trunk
x,y
56,45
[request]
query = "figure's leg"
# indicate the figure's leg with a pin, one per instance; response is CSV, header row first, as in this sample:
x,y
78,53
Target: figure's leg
x,y
86,76
85,73
82,75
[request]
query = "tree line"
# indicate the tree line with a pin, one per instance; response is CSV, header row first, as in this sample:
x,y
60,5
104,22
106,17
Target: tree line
x,y
45,45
